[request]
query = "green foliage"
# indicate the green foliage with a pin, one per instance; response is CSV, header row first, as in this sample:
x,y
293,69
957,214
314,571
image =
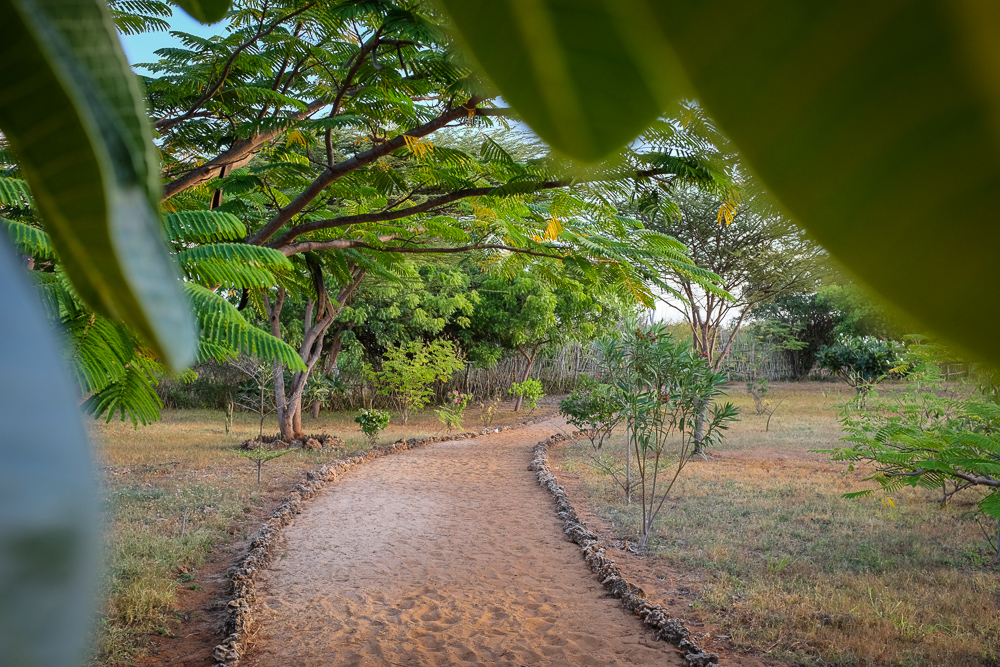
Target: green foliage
x,y
815,319
432,298
596,410
408,371
928,434
450,414
862,361
372,422
72,112
225,333
756,252
854,99
259,456
558,64
526,312
529,391
668,396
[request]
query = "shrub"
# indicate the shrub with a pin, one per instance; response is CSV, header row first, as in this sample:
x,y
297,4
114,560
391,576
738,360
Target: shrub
x,y
862,361
372,422
451,412
667,394
409,369
595,411
529,391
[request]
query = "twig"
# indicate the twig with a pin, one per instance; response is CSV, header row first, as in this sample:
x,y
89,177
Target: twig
x,y
771,414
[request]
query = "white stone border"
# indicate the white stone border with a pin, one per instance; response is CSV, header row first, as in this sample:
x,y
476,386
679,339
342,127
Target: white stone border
x,y
243,576
632,597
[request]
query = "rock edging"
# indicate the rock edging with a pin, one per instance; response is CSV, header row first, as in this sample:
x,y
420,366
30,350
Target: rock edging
x,y
243,576
632,597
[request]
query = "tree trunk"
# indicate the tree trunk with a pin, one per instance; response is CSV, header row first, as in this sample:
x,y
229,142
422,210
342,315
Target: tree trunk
x,y
316,407
274,318
699,432
290,405
519,403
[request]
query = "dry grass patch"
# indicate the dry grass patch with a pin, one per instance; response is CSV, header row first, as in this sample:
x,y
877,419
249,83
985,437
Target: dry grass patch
x,y
792,569
176,490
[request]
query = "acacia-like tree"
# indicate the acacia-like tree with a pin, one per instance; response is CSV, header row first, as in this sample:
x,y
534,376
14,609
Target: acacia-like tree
x,y
334,132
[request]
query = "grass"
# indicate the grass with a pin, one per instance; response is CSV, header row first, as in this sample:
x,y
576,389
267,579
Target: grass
x,y
176,490
791,568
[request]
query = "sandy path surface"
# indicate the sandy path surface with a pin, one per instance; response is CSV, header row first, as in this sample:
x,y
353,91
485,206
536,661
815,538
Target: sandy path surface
x,y
446,555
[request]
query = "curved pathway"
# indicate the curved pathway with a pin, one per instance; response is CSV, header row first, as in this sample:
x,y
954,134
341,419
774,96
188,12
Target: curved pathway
x,y
450,554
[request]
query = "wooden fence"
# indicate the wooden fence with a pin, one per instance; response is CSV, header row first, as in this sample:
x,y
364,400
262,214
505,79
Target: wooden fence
x,y
750,357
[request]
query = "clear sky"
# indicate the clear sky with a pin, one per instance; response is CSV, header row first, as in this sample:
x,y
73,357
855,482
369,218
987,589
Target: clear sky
x,y
140,48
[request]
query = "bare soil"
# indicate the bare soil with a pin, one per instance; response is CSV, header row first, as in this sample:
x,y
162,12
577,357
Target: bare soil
x,y
446,555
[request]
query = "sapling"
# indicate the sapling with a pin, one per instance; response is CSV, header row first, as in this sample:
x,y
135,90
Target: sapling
x,y
450,414
529,391
372,422
259,456
667,392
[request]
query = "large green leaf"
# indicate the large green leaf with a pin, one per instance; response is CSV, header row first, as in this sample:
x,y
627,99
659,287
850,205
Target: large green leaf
x,y
205,11
49,532
74,115
587,75
877,125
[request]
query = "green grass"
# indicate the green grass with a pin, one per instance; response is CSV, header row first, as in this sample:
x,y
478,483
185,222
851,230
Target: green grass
x,y
790,567
186,463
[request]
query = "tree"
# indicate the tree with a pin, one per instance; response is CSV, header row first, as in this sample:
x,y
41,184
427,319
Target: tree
x,y
862,361
116,373
89,153
336,133
815,319
663,389
840,112
757,256
525,313
408,370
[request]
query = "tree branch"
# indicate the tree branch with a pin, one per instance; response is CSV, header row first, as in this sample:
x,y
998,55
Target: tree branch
x,y
167,123
333,172
387,215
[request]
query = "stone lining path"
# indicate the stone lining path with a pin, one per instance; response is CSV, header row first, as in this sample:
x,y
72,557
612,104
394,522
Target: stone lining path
x,y
450,554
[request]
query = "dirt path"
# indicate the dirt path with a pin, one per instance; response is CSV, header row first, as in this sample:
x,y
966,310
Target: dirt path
x,y
446,555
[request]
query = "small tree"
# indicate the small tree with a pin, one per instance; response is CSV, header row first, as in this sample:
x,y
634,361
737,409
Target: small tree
x,y
259,455
258,396
409,369
665,389
529,391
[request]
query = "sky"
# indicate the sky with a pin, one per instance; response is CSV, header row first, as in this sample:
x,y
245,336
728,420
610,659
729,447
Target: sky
x,y
140,48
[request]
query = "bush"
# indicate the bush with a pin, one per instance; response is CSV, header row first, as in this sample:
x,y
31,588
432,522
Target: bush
x,y
408,371
595,411
451,413
668,397
372,422
529,391
862,361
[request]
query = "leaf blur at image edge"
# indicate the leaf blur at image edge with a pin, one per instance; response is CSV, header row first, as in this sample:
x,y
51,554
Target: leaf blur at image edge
x,y
87,152
876,126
